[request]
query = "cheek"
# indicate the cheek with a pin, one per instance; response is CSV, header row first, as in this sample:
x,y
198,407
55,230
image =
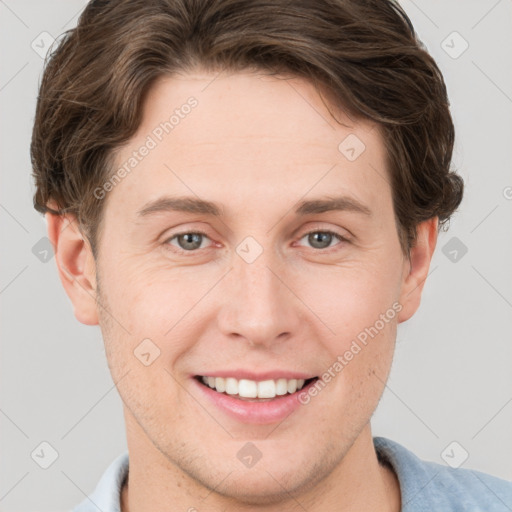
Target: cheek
x,y
360,306
364,361
153,319
142,298
350,299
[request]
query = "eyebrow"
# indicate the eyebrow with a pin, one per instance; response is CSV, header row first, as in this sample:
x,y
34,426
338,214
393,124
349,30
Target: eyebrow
x,y
200,206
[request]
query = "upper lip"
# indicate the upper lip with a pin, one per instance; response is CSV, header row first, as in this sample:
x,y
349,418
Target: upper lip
x,y
268,375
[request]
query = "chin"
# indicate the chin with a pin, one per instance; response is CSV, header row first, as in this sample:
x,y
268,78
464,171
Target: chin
x,y
253,487
273,481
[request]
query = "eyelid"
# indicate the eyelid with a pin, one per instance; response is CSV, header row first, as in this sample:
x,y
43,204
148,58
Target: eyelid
x,y
343,233
183,229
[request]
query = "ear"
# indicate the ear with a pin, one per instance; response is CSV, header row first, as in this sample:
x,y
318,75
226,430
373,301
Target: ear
x,y
75,264
416,269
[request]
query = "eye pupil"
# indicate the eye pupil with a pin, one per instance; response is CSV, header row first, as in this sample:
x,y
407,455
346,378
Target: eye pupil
x,y
192,241
320,237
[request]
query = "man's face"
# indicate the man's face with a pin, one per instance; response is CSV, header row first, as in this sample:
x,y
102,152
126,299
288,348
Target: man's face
x,y
261,293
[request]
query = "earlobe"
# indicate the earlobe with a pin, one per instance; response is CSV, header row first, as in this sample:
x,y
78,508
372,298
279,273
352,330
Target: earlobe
x,y
416,270
75,264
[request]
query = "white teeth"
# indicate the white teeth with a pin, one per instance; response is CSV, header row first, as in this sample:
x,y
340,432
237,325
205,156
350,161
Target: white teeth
x,y
246,388
231,386
292,385
281,387
220,384
266,389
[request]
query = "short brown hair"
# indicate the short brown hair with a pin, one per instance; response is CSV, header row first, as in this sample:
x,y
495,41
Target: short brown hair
x,y
364,53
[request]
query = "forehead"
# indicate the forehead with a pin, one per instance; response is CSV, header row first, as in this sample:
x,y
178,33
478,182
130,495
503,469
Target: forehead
x,y
252,133
244,106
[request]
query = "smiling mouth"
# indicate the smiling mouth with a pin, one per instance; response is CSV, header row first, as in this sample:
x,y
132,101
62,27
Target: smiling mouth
x,y
254,391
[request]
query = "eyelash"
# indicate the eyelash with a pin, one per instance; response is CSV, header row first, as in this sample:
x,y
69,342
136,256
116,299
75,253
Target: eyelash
x,y
179,250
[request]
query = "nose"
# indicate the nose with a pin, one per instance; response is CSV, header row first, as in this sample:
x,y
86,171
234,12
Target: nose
x,y
259,305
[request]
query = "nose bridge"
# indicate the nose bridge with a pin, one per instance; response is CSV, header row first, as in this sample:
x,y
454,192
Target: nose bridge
x,y
257,306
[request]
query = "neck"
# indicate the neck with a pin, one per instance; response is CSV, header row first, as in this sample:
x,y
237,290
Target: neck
x,y
358,482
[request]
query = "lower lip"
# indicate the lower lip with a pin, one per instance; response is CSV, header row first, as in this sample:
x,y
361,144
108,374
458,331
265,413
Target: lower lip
x,y
259,413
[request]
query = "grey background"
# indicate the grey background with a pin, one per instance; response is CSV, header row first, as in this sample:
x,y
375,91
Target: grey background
x,y
451,378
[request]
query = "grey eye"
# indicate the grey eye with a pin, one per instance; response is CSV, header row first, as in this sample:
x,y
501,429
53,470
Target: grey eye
x,y
321,239
189,241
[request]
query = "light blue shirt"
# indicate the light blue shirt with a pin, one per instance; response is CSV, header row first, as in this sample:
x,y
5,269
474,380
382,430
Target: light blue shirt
x,y
424,486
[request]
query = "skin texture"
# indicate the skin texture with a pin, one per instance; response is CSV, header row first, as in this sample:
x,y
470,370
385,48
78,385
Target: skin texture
x,y
257,145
